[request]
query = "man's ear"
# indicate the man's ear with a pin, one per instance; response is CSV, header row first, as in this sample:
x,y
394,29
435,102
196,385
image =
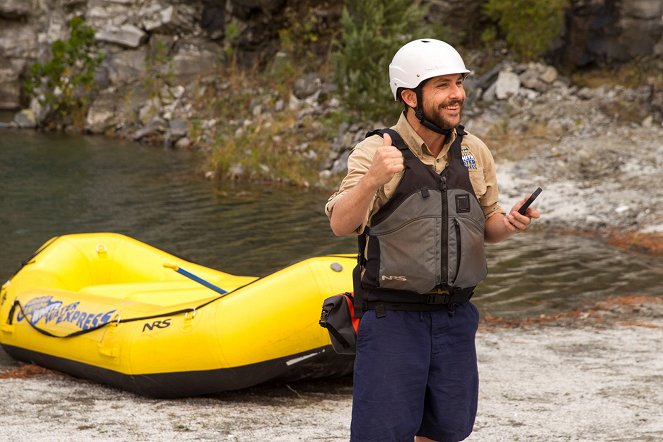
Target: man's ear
x,y
409,97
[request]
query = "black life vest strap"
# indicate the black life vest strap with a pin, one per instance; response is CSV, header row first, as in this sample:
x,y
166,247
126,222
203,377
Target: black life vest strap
x,y
399,143
396,140
455,149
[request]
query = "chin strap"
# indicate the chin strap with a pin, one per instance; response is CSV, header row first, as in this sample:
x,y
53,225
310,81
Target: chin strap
x,y
419,113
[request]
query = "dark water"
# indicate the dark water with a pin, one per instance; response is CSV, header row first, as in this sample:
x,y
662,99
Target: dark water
x,y
54,184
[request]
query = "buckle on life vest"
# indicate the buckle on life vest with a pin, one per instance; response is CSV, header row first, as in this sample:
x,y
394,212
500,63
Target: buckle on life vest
x,y
440,297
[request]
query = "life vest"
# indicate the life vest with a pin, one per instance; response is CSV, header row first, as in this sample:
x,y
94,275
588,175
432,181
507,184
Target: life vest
x,y
429,237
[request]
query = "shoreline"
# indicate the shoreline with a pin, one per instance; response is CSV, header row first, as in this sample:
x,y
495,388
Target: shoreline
x,y
589,374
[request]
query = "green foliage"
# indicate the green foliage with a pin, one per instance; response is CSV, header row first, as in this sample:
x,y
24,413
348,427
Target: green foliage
x,y
158,70
529,26
372,32
64,82
232,37
489,35
299,41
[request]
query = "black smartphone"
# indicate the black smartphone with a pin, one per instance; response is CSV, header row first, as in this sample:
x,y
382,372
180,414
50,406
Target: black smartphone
x,y
529,201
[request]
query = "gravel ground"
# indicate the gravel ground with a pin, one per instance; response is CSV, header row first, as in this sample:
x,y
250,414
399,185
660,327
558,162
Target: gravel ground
x,y
592,183
589,375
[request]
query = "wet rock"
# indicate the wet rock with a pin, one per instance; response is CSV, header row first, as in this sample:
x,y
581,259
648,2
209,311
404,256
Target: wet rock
x,y
178,128
155,127
25,119
102,115
183,143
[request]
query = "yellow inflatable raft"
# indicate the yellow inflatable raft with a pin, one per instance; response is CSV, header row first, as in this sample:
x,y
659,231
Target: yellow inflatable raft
x,y
112,309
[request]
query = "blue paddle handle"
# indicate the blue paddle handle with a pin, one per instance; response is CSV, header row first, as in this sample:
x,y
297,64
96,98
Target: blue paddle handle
x,y
198,279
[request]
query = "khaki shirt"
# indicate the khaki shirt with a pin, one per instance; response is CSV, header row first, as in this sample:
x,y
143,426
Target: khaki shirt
x,y
476,156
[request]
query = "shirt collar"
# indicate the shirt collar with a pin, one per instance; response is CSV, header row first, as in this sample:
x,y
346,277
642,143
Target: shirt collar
x,y
414,141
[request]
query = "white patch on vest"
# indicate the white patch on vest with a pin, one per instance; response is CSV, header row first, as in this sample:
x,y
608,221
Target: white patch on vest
x,y
300,359
393,278
468,159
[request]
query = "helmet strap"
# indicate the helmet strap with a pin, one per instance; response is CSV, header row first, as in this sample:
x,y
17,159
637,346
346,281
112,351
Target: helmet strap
x,y
419,113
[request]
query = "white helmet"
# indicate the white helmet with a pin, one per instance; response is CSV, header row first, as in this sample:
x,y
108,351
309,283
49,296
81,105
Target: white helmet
x,y
422,59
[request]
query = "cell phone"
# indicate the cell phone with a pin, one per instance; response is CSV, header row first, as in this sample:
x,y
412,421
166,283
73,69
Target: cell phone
x,y
529,201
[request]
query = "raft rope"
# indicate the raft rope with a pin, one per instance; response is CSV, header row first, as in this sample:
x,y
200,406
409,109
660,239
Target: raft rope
x,y
184,311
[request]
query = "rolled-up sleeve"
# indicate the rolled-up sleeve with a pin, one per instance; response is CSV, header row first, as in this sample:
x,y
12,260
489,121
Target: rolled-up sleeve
x,y
490,199
359,161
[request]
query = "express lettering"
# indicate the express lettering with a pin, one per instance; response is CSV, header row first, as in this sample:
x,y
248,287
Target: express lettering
x,y
158,324
51,310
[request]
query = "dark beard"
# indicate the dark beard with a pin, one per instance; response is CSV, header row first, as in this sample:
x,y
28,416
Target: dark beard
x,y
442,122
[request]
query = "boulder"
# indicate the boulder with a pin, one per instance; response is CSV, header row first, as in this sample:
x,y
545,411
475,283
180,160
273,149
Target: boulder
x,y
18,40
126,66
154,128
15,9
10,87
196,57
306,85
128,36
178,128
102,115
169,19
507,84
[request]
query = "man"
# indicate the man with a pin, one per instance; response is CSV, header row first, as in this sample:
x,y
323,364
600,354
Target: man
x,y
423,198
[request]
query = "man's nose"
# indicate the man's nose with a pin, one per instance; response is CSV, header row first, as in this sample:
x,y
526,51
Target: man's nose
x,y
457,91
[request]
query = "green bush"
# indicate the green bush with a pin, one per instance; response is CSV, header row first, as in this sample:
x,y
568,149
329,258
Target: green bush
x,y
529,26
371,33
63,83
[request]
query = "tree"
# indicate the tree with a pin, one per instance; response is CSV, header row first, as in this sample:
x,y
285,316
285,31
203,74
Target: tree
x,y
371,33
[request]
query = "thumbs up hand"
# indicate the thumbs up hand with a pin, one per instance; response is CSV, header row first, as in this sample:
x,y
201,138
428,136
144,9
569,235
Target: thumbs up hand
x,y
387,162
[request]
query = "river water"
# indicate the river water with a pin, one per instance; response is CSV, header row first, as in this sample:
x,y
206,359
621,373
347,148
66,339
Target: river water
x,y
54,184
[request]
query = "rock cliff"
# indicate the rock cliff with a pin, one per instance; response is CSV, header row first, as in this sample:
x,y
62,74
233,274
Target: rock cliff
x,y
194,34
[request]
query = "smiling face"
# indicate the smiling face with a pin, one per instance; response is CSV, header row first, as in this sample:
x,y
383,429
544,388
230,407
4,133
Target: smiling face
x,y
444,97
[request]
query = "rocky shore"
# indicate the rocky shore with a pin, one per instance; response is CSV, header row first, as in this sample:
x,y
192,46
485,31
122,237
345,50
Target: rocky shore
x,y
592,374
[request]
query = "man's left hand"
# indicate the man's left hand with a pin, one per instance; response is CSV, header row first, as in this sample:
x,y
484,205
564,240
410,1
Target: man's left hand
x,y
515,222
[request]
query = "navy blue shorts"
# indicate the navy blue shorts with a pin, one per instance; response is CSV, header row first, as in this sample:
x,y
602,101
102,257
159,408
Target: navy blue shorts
x,y
416,374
